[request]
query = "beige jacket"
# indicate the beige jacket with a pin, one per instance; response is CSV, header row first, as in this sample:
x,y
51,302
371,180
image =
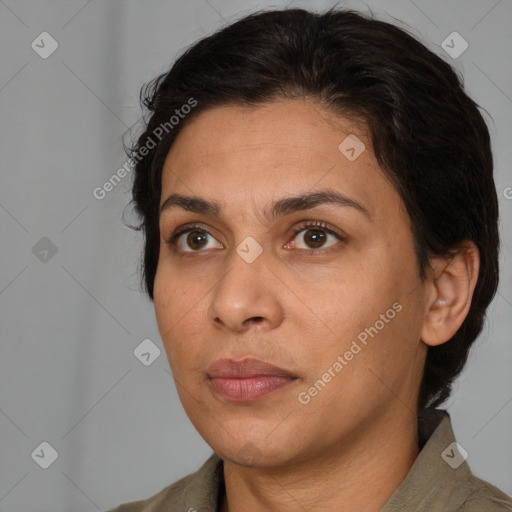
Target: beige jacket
x,y
439,481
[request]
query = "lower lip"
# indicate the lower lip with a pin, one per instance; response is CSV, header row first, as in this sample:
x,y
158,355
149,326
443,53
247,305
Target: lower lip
x,y
248,389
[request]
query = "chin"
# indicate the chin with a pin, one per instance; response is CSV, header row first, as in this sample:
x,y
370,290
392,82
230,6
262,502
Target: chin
x,y
253,446
253,454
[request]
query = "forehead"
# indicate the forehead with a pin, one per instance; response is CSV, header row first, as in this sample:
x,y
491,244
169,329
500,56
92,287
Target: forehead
x,y
291,129
284,146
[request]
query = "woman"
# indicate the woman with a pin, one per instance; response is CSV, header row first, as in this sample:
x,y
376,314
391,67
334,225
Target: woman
x,y
321,244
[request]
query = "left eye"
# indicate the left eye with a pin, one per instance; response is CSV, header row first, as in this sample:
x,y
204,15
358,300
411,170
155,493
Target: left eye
x,y
314,237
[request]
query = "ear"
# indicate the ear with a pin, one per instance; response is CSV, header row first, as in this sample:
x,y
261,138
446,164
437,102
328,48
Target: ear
x,y
452,281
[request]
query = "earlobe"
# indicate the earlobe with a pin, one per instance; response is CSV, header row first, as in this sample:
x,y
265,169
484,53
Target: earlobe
x,y
452,282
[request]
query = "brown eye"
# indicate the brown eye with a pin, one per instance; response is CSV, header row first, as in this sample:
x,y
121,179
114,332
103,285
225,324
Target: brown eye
x,y
196,240
315,235
314,238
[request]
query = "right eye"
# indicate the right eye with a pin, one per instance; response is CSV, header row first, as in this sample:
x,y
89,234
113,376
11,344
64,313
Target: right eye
x,y
193,239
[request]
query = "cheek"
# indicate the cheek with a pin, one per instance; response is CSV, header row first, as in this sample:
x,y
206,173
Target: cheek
x,y
174,295
179,313
361,304
164,303
351,296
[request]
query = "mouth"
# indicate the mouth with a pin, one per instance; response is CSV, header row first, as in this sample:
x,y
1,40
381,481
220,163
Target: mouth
x,y
246,380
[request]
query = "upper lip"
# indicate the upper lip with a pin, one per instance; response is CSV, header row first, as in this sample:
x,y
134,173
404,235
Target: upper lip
x,y
244,369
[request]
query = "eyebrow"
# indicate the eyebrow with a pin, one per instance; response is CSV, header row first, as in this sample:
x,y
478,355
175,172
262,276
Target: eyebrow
x,y
280,208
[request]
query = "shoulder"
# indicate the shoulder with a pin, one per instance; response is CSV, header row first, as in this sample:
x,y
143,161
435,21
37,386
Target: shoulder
x,y
169,496
199,488
485,497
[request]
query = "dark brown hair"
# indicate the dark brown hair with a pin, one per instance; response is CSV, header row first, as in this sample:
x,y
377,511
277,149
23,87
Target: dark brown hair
x,y
427,134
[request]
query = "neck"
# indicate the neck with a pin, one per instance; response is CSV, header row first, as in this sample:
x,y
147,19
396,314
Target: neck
x,y
360,474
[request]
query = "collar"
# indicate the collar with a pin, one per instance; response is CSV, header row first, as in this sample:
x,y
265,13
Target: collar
x,y
431,479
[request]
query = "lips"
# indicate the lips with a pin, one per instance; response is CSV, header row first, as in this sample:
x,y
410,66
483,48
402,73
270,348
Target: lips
x,y
246,380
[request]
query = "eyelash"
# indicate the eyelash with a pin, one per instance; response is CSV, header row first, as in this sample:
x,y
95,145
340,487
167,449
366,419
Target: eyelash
x,y
305,226
171,240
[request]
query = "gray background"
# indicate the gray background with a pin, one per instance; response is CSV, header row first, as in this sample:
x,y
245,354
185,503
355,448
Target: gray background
x,y
70,321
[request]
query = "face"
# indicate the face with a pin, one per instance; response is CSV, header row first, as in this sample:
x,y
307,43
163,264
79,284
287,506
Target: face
x,y
287,295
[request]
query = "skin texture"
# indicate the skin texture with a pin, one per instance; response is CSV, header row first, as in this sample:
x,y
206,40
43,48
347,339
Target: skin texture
x,y
299,307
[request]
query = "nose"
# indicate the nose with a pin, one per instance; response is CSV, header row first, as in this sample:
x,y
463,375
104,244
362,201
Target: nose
x,y
247,297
